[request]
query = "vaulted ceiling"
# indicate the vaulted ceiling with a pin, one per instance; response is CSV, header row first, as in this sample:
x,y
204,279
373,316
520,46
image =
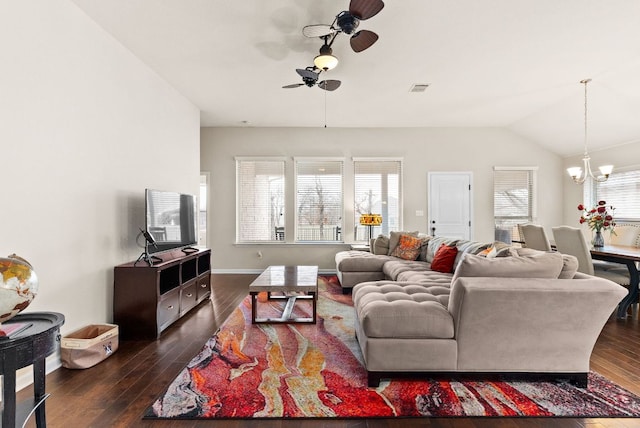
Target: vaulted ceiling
x,y
488,63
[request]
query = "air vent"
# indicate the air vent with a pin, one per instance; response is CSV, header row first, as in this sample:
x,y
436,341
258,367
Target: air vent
x,y
419,87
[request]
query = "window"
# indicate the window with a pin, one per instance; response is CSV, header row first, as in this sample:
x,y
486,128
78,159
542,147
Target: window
x,y
377,190
202,214
261,205
622,191
513,200
318,200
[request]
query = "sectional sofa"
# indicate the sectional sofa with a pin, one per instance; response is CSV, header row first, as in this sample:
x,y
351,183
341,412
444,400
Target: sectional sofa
x,y
500,310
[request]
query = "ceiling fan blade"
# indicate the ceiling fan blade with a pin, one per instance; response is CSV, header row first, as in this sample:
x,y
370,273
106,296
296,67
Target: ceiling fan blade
x,y
362,40
365,9
329,85
294,85
317,30
307,74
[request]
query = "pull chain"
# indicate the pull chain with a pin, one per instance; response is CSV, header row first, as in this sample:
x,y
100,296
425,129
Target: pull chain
x,y
325,107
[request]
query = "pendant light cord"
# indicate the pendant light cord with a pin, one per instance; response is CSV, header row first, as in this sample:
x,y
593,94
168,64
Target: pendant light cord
x,y
585,81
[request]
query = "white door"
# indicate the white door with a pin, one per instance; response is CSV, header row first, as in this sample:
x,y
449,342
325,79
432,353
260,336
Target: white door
x,y
449,204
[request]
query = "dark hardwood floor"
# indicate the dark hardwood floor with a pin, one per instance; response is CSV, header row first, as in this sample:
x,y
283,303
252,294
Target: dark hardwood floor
x,y
116,392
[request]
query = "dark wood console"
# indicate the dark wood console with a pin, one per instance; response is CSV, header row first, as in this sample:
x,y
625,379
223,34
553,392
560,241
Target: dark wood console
x,y
148,299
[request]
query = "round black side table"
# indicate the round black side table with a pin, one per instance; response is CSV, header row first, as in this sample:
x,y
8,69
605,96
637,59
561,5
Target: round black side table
x,y
32,344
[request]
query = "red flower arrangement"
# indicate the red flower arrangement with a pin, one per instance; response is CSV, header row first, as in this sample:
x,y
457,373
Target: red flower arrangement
x,y
598,218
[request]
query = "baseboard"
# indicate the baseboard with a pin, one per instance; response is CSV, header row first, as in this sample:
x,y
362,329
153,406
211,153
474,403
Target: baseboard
x,y
24,376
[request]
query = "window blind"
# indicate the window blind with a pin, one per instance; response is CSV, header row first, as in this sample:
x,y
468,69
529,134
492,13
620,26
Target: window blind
x,y
377,190
622,191
319,200
261,205
513,200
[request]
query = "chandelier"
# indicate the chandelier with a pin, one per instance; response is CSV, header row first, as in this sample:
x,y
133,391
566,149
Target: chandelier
x,y
576,172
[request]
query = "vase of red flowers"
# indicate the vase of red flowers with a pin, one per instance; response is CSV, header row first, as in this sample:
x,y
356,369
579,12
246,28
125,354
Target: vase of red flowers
x,y
598,218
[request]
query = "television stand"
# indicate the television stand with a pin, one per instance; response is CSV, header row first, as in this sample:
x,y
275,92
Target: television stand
x,y
148,299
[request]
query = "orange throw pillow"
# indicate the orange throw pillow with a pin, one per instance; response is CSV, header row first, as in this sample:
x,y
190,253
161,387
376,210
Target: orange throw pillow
x,y
444,259
408,247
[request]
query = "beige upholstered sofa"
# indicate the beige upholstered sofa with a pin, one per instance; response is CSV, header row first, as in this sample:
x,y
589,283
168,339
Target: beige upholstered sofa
x,y
529,314
354,267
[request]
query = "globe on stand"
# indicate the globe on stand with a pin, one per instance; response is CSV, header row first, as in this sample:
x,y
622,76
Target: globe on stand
x,y
18,286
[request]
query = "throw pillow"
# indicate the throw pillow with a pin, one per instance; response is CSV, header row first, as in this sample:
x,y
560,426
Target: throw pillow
x,y
408,248
484,252
381,245
424,248
435,243
500,249
394,238
444,259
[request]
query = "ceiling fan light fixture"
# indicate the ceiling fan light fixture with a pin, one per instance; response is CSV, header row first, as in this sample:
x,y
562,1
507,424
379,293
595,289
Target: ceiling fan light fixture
x,y
325,61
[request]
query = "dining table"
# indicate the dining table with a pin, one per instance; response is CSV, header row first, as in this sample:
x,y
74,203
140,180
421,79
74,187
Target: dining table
x,y
628,256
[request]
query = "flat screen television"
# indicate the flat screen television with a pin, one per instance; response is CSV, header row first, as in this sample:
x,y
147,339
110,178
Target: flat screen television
x,y
170,220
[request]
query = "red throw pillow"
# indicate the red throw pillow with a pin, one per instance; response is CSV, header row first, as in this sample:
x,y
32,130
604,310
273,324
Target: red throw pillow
x,y
444,258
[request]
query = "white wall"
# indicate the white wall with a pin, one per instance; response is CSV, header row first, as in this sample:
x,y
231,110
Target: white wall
x,y
423,150
86,127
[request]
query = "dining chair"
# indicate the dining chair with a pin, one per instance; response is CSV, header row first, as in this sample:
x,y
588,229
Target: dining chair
x,y
571,240
627,234
534,237
624,234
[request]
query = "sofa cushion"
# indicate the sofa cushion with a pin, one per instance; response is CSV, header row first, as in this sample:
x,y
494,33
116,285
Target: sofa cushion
x,y
468,247
569,262
444,258
393,268
403,310
425,277
569,266
408,247
545,265
394,239
360,261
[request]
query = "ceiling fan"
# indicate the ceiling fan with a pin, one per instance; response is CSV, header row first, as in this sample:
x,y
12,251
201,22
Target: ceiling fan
x,y
310,78
347,22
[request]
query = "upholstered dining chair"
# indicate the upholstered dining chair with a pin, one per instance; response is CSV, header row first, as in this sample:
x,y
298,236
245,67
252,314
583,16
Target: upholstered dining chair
x,y
627,234
534,237
571,240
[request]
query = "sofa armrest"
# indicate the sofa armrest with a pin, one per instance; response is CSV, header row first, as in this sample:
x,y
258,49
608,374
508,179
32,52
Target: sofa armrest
x,y
530,324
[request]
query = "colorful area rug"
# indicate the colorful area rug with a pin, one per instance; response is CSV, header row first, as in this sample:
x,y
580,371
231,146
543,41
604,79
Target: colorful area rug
x,y
303,371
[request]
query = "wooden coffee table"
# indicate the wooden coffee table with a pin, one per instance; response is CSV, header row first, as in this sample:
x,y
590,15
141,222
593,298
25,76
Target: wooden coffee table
x,y
292,283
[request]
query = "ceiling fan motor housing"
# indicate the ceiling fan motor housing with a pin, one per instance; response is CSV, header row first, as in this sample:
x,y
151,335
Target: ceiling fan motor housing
x,y
347,22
